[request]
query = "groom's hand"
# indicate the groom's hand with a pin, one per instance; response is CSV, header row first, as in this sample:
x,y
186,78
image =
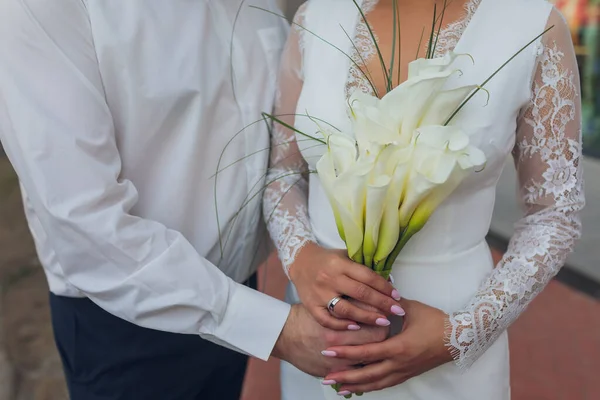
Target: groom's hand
x,y
303,339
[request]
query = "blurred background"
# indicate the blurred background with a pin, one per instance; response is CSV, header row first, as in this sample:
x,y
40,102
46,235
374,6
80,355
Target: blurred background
x,y
555,346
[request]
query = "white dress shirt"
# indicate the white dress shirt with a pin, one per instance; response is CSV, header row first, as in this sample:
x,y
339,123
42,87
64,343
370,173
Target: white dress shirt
x,y
114,115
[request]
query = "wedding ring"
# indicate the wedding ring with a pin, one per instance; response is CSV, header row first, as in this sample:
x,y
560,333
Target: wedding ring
x,y
333,302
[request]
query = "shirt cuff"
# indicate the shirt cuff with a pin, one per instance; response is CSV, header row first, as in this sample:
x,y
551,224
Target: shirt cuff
x,y
252,321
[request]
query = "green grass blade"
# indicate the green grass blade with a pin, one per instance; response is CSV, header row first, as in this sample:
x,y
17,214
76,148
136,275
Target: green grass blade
x,y
494,74
311,118
217,178
247,201
251,195
309,31
399,43
430,44
368,77
390,83
420,43
258,152
231,69
275,119
219,169
437,36
383,67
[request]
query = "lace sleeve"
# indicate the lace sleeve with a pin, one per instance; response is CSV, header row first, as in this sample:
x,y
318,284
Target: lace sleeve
x,y
548,158
286,195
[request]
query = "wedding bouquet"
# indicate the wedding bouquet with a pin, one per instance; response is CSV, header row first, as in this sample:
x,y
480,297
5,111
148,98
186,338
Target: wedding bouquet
x,y
385,178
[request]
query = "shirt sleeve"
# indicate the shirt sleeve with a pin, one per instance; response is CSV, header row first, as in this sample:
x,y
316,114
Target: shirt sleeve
x,y
285,200
548,158
58,132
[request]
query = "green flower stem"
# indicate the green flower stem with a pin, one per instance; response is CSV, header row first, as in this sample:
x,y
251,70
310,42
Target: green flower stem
x,y
338,386
385,274
416,223
358,257
387,268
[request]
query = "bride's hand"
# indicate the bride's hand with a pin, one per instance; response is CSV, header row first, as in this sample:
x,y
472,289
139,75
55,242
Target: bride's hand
x,y
320,275
417,349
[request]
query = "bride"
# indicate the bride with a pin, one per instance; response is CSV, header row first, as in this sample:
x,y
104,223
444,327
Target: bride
x,y
456,305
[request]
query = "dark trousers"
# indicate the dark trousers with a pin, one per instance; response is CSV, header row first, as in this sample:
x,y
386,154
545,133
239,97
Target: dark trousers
x,y
107,358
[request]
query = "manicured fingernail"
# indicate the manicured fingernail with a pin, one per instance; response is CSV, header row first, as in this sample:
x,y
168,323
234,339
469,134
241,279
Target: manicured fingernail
x,y
329,353
398,311
382,322
353,327
396,295
344,393
329,382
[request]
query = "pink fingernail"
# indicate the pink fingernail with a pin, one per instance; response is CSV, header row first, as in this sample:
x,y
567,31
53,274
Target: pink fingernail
x,y
353,327
329,382
396,295
382,322
329,353
398,311
344,393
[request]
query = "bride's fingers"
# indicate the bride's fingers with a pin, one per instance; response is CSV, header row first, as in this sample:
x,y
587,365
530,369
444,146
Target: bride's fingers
x,y
345,309
367,295
385,382
325,319
371,373
370,278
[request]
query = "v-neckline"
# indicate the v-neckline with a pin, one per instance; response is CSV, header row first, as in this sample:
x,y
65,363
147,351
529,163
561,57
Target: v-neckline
x,y
355,79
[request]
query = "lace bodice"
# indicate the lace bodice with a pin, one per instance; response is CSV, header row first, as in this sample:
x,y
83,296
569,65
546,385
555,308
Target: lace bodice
x,y
364,49
547,155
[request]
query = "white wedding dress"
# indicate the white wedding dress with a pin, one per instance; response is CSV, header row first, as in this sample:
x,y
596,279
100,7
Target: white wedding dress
x,y
533,112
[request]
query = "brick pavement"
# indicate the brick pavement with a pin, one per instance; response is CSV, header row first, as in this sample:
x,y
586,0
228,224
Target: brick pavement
x,y
555,348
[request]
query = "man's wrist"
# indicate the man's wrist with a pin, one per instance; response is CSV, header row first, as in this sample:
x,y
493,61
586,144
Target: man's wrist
x,y
252,321
282,344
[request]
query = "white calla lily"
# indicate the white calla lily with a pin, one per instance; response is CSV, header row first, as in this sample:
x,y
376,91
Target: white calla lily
x,y
442,159
344,176
443,104
386,180
377,189
441,153
423,90
372,127
398,166
425,66
409,101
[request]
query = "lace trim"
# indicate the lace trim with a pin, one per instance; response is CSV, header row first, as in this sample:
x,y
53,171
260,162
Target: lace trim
x,y
364,49
451,34
544,238
290,231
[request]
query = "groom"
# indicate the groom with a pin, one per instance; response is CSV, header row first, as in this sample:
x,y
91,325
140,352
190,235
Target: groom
x,y
115,116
